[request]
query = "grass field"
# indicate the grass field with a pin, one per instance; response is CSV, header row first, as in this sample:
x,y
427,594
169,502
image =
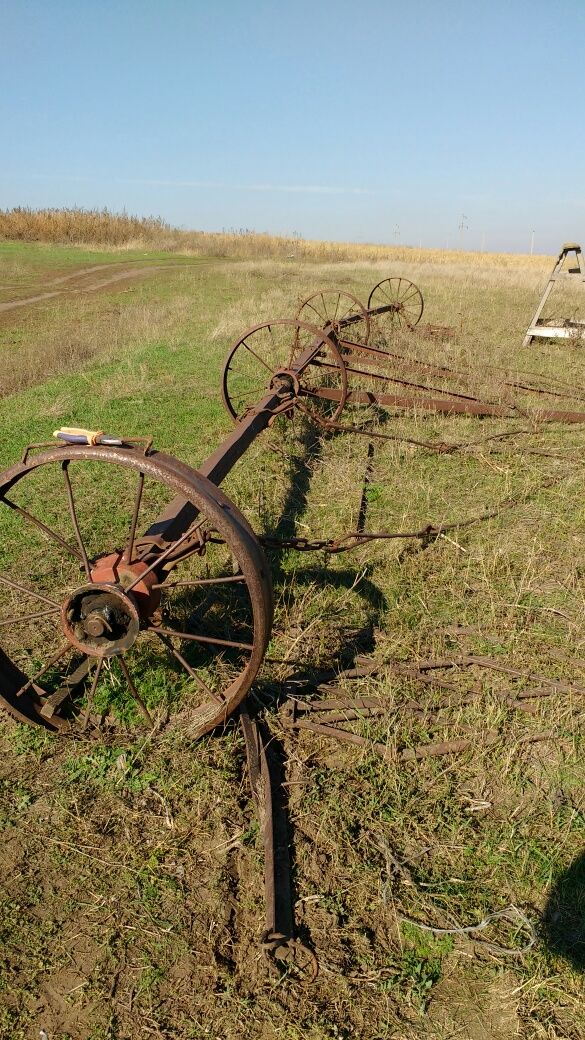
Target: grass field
x,y
131,897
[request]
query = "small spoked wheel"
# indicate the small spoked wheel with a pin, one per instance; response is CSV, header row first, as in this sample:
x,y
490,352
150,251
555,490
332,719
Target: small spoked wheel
x,y
298,355
338,310
403,300
107,612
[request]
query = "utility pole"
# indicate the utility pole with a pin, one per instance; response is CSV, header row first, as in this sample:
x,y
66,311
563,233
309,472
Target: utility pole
x,y
532,243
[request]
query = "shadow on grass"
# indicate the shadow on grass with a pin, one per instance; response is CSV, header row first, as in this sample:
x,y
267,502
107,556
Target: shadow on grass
x,y
301,469
299,475
563,922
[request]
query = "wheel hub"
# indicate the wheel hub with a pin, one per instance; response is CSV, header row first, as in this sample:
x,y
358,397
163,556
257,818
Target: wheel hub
x,y
285,383
101,620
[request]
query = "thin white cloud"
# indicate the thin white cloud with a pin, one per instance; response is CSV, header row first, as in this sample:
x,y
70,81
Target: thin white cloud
x,y
308,189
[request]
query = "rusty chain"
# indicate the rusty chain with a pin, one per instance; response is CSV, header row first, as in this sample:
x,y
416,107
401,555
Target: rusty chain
x,y
427,534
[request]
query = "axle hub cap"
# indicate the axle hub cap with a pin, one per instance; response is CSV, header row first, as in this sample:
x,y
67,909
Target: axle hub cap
x,y
100,620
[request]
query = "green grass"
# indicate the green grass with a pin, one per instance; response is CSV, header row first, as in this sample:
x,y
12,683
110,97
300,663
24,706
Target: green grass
x,y
132,868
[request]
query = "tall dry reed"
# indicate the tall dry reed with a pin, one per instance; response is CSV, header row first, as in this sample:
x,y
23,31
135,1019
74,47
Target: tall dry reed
x,y
102,228
79,226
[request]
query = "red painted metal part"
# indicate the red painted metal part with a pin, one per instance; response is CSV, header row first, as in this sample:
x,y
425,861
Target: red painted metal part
x,y
114,570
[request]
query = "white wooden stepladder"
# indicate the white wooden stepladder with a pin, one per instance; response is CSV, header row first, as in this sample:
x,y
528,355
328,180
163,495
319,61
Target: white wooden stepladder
x,y
565,328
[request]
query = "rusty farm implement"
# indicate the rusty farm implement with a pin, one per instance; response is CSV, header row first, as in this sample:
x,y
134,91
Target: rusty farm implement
x,y
133,556
137,552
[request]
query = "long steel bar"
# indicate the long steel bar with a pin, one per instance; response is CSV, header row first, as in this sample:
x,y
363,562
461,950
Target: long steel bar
x,y
427,404
383,356
449,406
277,893
458,404
370,373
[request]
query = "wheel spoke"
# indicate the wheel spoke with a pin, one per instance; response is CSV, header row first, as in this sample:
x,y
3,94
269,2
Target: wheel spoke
x,y
247,393
190,671
163,556
188,554
48,531
322,317
91,694
134,692
277,348
74,520
410,295
201,639
30,617
257,356
127,555
28,592
296,343
38,675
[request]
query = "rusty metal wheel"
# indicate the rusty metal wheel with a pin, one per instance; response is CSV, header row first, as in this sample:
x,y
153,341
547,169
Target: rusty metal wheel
x,y
99,621
339,310
286,348
403,300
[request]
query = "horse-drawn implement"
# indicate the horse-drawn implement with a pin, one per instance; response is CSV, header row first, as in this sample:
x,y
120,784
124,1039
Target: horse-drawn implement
x,y
133,556
136,552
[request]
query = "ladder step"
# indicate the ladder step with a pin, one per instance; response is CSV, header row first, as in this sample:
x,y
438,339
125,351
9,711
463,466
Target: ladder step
x,y
574,331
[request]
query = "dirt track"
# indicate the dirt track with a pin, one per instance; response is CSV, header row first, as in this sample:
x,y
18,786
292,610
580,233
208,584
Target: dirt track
x,y
85,282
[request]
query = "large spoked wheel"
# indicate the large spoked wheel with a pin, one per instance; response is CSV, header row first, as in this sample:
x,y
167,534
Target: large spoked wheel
x,y
286,347
338,310
100,621
404,301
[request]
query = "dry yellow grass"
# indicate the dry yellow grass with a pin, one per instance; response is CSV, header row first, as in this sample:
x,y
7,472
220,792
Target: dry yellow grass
x,y
252,246
78,226
123,231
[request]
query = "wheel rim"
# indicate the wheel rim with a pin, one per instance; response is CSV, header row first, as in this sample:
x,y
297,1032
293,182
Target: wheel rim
x,y
90,624
273,348
332,308
404,297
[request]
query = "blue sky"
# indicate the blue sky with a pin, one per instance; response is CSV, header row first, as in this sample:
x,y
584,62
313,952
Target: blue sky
x,y
372,121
